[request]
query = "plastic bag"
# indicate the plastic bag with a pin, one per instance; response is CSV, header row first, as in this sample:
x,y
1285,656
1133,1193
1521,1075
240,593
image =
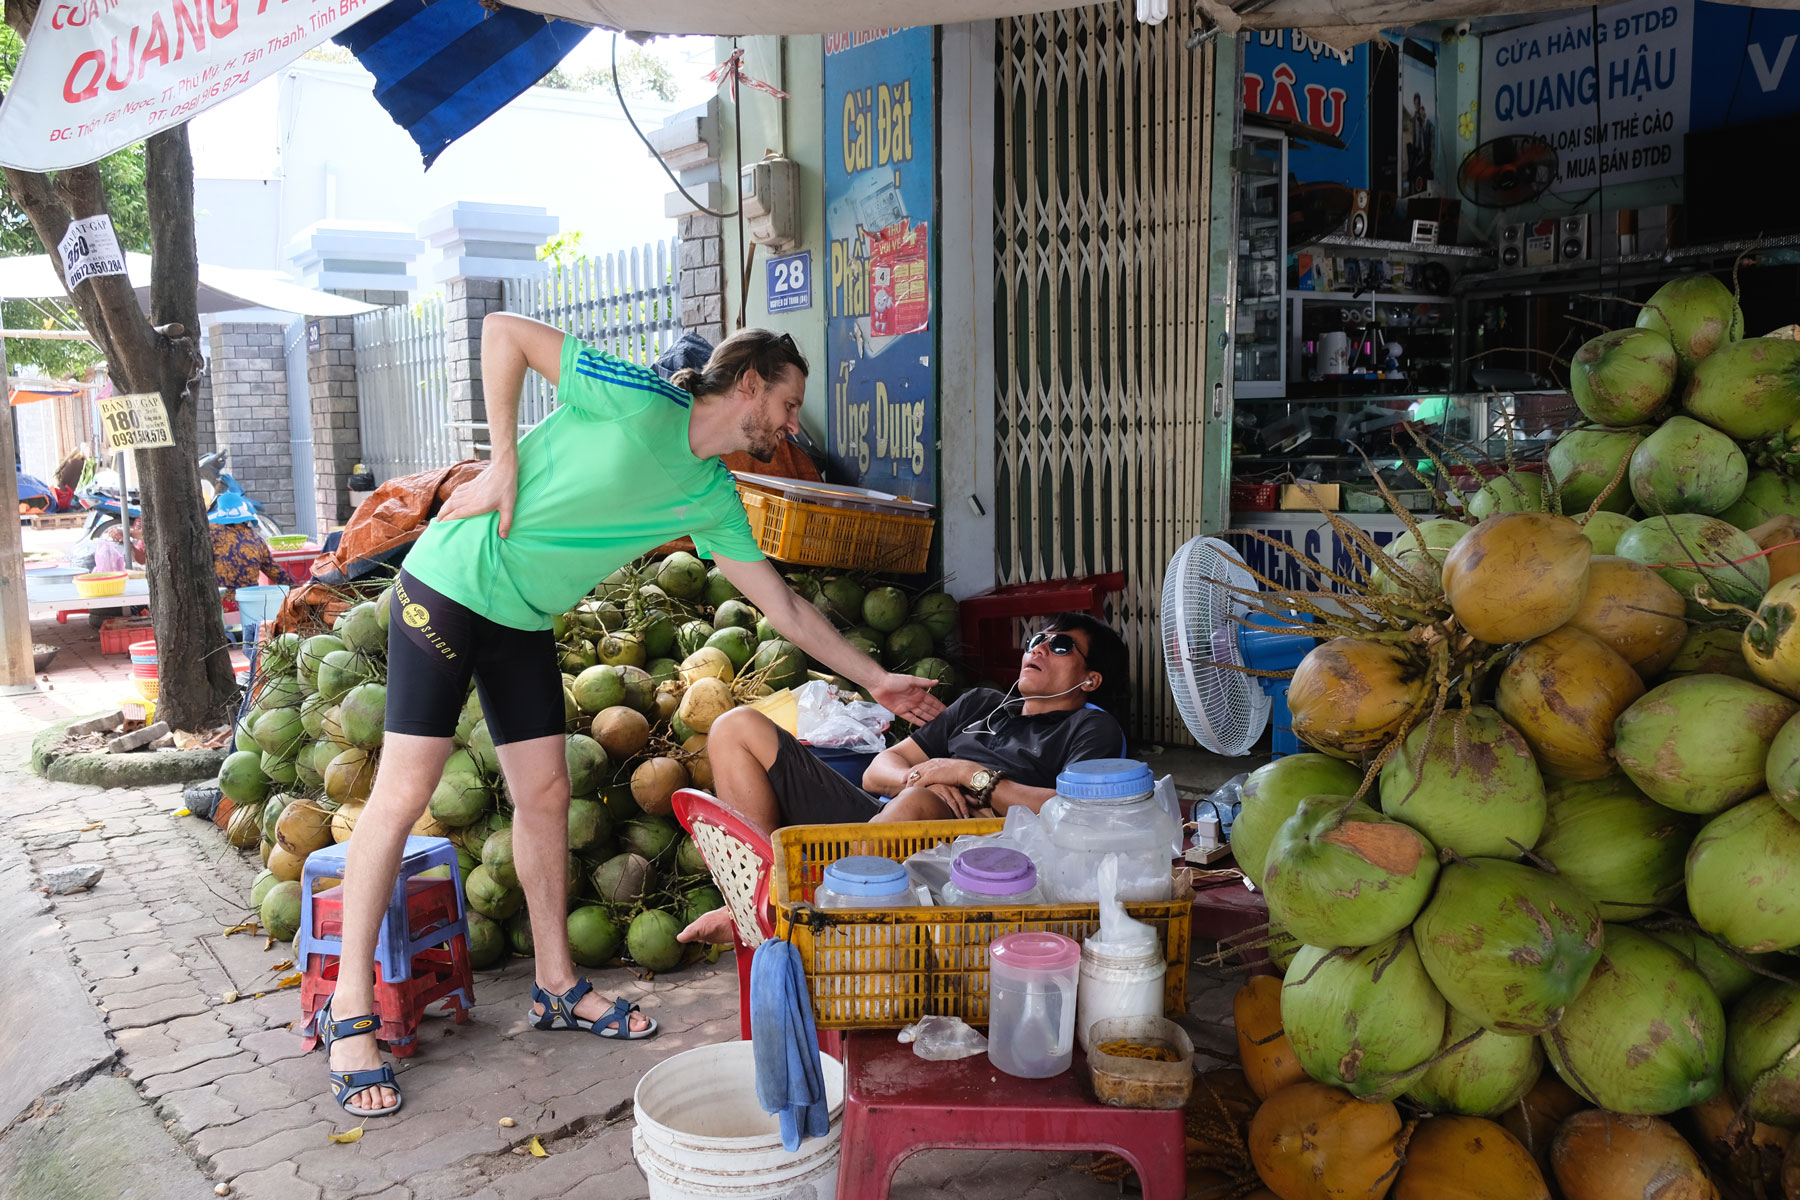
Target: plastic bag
x,y
941,1039
1120,935
1170,799
930,868
825,719
1224,804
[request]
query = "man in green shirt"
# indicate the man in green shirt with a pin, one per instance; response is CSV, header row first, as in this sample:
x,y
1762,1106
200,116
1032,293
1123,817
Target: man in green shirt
x,y
626,463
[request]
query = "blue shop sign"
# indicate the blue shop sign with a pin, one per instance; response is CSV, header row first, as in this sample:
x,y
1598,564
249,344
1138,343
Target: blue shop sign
x,y
790,282
1290,76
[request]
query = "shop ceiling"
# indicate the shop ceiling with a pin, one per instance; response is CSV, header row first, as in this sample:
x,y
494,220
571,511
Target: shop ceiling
x,y
1340,23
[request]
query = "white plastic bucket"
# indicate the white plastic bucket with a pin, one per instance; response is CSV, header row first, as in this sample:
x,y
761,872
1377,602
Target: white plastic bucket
x,y
701,1135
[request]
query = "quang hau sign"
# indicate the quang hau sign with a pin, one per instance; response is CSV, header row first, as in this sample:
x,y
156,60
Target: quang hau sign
x,y
100,75
1609,89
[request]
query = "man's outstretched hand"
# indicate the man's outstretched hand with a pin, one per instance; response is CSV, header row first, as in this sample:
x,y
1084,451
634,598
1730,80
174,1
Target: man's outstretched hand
x,y
491,491
907,696
710,928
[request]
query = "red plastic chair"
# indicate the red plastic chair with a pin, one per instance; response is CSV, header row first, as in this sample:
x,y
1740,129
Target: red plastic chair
x,y
739,856
896,1104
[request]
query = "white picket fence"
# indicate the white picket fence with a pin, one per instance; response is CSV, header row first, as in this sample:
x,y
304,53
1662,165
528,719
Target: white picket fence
x,y
403,390
627,303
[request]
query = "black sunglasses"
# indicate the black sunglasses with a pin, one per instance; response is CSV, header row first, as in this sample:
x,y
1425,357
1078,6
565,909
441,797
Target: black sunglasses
x,y
1059,644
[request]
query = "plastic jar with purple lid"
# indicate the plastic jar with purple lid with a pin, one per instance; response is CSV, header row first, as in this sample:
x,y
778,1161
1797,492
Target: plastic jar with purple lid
x,y
992,876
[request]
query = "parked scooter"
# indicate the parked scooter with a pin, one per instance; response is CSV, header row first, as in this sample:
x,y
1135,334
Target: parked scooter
x,y
212,469
101,496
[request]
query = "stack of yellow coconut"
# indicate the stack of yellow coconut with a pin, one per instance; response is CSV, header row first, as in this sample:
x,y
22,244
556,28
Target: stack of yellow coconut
x,y
1554,817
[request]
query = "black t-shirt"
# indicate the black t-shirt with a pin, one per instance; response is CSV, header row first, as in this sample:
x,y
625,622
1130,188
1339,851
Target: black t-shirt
x,y
1031,750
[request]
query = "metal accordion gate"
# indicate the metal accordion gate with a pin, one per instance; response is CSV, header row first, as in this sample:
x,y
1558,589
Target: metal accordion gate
x,y
1102,198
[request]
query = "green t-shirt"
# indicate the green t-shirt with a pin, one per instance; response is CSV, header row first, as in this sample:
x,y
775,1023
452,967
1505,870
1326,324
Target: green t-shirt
x,y
606,478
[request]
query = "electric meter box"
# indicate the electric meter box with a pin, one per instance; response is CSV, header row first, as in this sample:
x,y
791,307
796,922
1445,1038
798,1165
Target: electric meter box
x,y
769,194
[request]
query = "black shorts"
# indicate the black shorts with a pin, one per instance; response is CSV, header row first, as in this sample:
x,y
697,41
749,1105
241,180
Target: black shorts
x,y
435,645
807,792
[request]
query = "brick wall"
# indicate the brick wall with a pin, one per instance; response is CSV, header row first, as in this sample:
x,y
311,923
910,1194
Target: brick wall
x,y
250,412
205,431
702,277
466,303
337,435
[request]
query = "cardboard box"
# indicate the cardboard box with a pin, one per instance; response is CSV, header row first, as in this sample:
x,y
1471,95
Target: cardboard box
x,y
1310,497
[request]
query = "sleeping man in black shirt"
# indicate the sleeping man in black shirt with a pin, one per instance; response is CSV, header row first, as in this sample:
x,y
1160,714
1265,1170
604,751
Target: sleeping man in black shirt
x,y
981,756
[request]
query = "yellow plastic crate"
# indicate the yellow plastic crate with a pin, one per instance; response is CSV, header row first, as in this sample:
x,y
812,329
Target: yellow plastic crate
x,y
882,968
823,535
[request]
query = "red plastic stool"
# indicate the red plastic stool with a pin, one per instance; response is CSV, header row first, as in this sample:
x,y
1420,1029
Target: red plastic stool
x,y
441,974
438,973
986,618
896,1103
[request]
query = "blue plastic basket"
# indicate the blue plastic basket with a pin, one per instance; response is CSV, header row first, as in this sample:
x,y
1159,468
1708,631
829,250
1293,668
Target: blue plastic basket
x,y
849,763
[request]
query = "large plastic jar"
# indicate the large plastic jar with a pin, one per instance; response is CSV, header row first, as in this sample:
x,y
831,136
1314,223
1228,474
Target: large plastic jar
x,y
992,876
865,881
1107,806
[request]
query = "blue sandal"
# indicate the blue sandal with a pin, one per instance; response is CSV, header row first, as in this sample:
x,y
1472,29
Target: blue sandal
x,y
616,1024
345,1084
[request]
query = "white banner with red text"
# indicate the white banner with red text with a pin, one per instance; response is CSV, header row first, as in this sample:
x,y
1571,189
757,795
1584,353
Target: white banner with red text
x,y
99,75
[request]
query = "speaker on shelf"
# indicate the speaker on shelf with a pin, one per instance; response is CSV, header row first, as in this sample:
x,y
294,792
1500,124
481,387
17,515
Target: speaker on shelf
x,y
1572,239
1511,245
1361,214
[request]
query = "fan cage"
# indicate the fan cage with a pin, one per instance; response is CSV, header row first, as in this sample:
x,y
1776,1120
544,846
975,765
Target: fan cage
x,y
1226,710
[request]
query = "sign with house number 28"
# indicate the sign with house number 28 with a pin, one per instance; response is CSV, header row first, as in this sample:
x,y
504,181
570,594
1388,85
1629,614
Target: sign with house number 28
x,y
790,282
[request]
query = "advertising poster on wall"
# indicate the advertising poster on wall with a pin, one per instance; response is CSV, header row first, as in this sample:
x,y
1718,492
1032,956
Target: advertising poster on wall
x,y
1418,119
880,193
1609,89
1293,78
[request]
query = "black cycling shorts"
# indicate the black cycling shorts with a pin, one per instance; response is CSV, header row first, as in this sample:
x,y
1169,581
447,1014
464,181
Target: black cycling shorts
x,y
435,645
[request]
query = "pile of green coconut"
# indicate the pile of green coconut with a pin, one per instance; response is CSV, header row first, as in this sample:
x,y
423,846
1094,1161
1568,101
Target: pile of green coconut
x,y
1547,856
650,659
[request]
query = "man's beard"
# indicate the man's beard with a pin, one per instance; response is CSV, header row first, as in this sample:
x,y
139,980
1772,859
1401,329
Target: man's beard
x,y
764,441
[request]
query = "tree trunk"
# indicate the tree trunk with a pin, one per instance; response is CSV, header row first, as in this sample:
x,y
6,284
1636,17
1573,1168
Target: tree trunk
x,y
193,659
194,663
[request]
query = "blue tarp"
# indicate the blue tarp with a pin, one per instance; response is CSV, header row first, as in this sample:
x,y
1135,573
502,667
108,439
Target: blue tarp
x,y
444,67
33,488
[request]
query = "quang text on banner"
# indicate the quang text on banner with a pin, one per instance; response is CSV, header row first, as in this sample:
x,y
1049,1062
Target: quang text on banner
x,y
100,75
1608,88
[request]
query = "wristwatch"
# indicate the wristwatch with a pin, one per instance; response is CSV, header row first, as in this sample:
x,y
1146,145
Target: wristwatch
x,y
984,781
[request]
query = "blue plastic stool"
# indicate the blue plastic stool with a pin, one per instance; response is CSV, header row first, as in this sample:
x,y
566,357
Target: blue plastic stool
x,y
396,945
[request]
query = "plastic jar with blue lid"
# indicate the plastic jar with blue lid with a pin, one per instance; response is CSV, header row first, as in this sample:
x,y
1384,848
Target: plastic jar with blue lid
x,y
1107,806
865,881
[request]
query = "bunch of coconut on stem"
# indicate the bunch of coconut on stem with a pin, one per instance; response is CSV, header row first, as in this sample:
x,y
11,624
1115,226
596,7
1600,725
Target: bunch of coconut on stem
x,y
1542,867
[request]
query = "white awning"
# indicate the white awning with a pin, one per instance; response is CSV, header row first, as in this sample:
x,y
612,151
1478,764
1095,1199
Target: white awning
x,y
222,289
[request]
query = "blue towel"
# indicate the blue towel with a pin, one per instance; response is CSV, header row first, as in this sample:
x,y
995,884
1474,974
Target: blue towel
x,y
788,1078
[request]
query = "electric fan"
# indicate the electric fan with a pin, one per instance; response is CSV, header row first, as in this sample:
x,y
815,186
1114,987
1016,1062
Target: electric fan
x,y
1204,637
1507,171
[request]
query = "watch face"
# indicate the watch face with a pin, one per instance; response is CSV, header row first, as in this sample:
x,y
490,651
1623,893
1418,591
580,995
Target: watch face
x,y
982,780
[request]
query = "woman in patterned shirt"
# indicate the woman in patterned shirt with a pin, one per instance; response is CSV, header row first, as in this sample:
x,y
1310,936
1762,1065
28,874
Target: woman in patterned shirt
x,y
239,552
